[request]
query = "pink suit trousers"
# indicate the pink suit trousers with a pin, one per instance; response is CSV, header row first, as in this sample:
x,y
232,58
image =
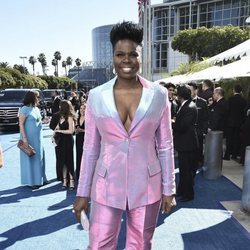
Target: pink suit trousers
x,y
105,223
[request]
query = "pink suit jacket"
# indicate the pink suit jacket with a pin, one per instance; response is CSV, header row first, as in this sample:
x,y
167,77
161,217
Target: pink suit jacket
x,y
132,168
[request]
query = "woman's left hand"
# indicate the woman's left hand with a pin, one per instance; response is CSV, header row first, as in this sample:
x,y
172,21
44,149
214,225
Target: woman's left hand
x,y
168,202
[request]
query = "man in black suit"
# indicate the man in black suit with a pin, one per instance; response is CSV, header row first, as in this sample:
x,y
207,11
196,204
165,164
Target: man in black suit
x,y
236,116
202,119
218,111
171,96
55,101
207,90
186,142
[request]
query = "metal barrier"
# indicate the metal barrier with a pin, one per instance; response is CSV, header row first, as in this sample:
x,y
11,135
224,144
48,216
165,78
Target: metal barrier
x,y
245,199
213,155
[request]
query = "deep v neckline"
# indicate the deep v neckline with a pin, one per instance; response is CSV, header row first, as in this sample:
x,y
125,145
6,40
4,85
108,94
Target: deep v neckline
x,y
136,111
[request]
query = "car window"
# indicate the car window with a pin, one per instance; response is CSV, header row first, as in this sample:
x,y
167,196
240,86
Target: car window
x,y
12,96
47,94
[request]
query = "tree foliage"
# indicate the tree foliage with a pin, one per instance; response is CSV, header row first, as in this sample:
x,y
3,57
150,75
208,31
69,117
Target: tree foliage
x,y
42,59
55,82
4,64
21,68
207,42
69,61
57,57
6,79
32,61
13,78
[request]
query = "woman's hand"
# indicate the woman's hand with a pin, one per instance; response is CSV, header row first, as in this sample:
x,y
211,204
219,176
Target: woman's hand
x,y
81,203
168,202
25,142
77,130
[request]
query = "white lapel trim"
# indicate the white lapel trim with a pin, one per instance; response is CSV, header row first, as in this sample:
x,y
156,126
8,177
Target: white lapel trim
x,y
145,102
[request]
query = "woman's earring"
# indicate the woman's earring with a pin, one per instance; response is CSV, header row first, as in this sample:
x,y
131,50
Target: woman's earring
x,y
114,72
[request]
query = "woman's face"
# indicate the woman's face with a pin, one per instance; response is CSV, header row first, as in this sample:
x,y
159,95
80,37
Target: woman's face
x,y
82,109
37,99
171,92
126,58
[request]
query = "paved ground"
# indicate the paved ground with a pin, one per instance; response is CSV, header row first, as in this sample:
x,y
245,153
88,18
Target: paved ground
x,y
234,172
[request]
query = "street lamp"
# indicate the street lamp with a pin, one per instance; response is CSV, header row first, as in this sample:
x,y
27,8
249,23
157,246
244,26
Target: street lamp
x,y
190,14
23,57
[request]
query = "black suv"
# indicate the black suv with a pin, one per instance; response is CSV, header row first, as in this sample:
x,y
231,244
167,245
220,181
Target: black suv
x,y
11,100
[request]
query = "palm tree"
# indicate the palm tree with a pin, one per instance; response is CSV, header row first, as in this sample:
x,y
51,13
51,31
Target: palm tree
x,y
4,64
21,68
69,61
58,57
64,65
42,59
78,64
54,63
32,61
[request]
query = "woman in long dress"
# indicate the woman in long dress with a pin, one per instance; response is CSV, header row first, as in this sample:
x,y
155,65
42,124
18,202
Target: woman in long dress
x,y
30,122
65,156
80,131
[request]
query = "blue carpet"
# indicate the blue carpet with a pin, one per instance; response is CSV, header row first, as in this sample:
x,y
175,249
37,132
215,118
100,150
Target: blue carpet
x,y
42,219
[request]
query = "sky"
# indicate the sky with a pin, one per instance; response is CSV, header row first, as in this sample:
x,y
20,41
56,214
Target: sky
x,y
31,27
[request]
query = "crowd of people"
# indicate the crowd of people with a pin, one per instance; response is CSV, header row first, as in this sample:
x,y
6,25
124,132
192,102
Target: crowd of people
x,y
211,112
68,118
127,134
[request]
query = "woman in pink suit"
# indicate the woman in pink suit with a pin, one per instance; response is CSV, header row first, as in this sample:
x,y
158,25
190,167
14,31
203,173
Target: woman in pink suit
x,y
127,162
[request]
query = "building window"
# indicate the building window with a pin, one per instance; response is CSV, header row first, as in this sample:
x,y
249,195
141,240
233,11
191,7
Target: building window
x,y
184,17
163,24
161,57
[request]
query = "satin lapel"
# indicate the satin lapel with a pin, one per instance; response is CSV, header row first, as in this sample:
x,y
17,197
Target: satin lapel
x,y
109,101
146,99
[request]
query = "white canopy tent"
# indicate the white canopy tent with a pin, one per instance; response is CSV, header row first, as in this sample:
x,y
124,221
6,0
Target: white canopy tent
x,y
173,79
211,73
240,50
240,68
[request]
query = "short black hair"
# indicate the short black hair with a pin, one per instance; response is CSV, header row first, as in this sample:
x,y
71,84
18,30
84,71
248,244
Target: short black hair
x,y
193,84
169,85
126,30
184,91
208,83
237,88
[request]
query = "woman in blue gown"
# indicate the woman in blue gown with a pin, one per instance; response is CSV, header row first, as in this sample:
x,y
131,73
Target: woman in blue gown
x,y
32,168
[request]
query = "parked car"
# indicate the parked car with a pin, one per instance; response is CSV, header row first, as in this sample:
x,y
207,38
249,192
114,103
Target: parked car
x,y
11,100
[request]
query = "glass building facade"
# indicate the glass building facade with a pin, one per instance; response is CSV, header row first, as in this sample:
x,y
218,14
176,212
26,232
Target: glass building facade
x,y
101,46
171,16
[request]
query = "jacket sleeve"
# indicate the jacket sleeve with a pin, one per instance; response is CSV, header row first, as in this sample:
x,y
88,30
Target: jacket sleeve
x,y
164,144
54,121
91,150
205,118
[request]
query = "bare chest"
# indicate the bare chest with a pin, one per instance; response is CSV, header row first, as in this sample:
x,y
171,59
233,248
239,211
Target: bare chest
x,y
127,102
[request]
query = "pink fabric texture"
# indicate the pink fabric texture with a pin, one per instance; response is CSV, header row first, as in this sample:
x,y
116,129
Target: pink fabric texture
x,y
105,225
132,168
